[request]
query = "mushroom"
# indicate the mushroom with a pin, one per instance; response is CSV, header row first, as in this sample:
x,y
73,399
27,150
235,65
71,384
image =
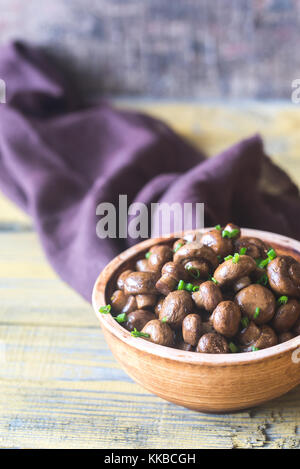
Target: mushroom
x,y
160,333
142,265
284,276
241,283
122,303
226,318
229,271
145,301
178,243
208,296
159,255
138,319
234,230
191,329
195,251
186,347
285,337
257,303
249,334
256,248
296,328
220,245
171,274
176,306
140,283
286,316
158,306
266,339
212,343
122,277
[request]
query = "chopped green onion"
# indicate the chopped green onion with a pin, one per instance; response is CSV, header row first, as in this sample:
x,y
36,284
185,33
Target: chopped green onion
x,y
263,263
228,258
230,234
164,319
181,285
136,333
121,318
243,251
236,258
271,254
258,261
193,271
245,322
254,349
263,280
218,227
196,288
178,247
105,309
147,255
213,280
283,300
189,286
233,347
257,312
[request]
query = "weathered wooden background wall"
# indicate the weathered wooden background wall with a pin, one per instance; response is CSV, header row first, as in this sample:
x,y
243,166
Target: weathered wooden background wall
x,y
162,48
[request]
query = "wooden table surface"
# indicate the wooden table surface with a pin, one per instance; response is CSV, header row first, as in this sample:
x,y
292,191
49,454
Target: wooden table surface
x,y
60,387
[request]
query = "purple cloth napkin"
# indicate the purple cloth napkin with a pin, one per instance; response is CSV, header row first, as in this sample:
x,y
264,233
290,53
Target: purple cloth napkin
x,y
59,160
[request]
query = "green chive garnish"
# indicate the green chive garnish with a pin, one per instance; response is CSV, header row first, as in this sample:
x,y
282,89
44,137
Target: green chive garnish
x,y
263,263
147,255
229,234
218,227
189,287
271,254
164,319
105,309
181,285
283,300
178,247
236,258
228,258
257,312
245,322
233,347
196,288
136,333
213,280
243,251
254,349
121,318
193,271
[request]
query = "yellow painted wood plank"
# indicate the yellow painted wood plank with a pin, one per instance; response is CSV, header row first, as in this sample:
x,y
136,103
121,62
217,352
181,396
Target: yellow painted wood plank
x,y
61,388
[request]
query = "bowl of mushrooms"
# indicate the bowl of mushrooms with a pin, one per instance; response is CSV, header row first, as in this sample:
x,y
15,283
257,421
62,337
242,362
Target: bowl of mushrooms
x,y
209,320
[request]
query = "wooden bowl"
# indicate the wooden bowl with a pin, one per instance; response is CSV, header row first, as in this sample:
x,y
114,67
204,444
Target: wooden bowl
x,y
203,382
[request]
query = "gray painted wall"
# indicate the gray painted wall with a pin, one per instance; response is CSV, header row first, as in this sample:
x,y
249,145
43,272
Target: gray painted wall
x,y
166,48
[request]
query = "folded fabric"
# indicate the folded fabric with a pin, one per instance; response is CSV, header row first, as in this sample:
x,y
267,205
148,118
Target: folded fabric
x,y
60,159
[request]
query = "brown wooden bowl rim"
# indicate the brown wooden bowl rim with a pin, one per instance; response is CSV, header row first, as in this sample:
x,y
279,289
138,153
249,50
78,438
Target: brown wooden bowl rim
x,y
109,323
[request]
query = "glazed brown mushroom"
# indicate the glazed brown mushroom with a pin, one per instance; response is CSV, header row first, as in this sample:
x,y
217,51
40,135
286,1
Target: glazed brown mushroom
x,y
220,245
266,339
138,319
257,303
159,255
122,303
171,274
249,334
226,318
256,248
195,251
285,336
229,271
140,283
142,265
191,329
181,345
284,276
208,296
286,316
177,305
241,283
212,343
158,306
122,277
296,328
146,301
160,333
